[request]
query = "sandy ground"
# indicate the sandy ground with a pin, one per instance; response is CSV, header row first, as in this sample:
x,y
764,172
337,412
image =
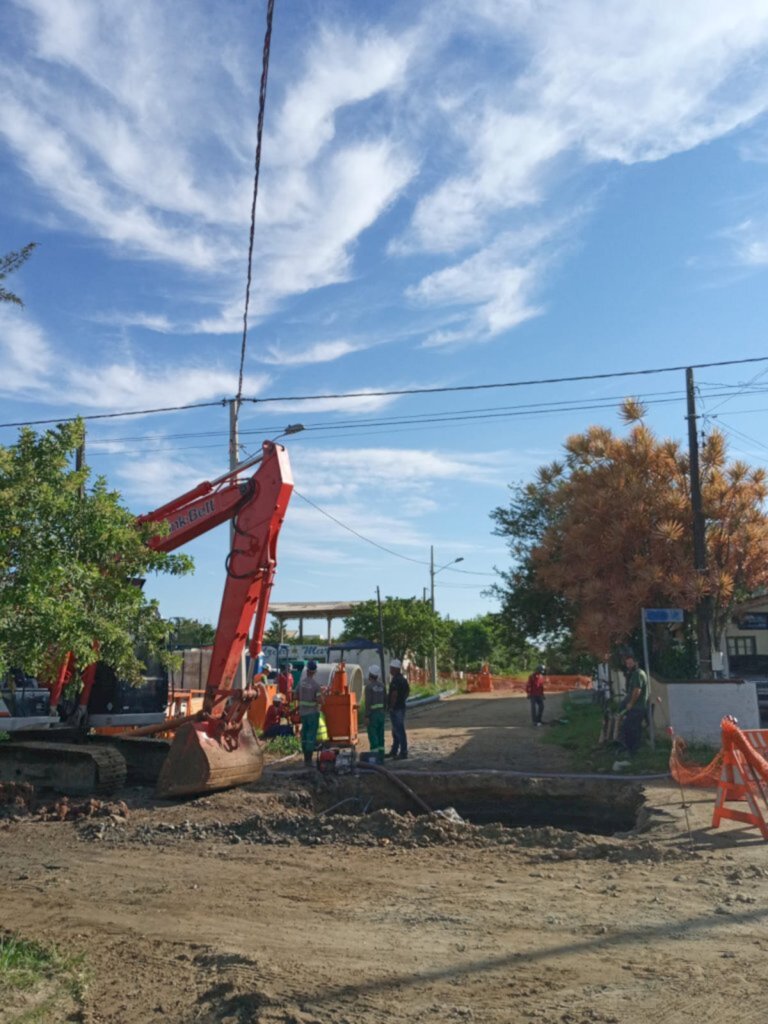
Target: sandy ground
x,y
182,919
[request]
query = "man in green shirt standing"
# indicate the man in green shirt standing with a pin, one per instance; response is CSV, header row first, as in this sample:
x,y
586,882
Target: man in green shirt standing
x,y
635,704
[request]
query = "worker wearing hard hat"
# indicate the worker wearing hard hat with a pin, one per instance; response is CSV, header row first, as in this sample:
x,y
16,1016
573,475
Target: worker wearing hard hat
x,y
310,695
375,694
273,720
398,695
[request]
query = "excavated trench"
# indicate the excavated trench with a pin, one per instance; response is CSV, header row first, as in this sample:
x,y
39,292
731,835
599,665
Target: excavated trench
x,y
591,806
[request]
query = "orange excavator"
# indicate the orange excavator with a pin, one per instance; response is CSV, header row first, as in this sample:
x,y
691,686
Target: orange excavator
x,y
215,748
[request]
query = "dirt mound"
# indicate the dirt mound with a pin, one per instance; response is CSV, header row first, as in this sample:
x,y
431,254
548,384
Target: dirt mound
x,y
20,801
383,828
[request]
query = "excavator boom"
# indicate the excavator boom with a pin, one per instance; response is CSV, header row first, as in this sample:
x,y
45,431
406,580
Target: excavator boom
x,y
221,749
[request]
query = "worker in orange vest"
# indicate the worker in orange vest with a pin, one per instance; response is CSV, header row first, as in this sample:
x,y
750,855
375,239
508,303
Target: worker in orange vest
x,y
534,689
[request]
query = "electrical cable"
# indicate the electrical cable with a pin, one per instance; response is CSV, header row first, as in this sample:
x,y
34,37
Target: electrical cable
x,y
374,543
256,170
386,423
741,389
395,391
116,415
506,384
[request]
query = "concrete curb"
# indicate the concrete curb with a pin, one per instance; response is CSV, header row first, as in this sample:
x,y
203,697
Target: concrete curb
x,y
421,701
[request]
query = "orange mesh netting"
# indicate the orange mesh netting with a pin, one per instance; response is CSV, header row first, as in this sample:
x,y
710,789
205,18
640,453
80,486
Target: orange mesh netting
x,y
552,684
704,776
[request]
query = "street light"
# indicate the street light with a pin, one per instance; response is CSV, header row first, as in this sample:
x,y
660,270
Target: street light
x,y
432,573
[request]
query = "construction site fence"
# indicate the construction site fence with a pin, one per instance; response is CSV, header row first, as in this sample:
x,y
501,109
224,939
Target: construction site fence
x,y
707,776
486,682
516,684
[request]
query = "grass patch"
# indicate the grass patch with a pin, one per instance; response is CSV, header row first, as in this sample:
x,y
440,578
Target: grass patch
x,y
37,980
430,689
282,746
578,733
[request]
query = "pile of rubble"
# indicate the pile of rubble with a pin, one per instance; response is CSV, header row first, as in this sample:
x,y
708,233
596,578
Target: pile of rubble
x,y
20,801
383,828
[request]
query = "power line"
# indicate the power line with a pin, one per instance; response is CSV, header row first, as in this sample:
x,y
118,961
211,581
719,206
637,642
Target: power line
x,y
256,170
393,392
374,543
115,415
505,384
387,425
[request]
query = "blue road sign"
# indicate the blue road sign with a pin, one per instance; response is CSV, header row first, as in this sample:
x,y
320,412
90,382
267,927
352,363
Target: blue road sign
x,y
663,614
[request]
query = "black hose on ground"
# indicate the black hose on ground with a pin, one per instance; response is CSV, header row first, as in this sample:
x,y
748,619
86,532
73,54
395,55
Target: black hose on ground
x,y
395,780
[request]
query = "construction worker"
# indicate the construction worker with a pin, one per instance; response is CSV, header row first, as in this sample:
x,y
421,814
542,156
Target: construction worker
x,y
634,707
273,720
534,689
285,681
398,695
374,710
309,709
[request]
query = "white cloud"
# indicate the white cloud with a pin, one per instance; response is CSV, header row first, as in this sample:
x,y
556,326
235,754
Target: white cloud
x,y
155,479
749,241
357,404
31,365
25,356
147,144
588,83
386,468
319,352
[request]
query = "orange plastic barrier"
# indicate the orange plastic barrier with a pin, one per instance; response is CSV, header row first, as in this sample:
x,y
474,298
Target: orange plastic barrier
x,y
699,776
481,683
743,779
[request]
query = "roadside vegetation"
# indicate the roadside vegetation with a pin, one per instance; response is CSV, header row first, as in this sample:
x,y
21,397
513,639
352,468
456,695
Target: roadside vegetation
x,y
578,732
39,983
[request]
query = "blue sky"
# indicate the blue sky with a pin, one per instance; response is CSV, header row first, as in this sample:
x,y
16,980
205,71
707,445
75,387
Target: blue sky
x,y
453,192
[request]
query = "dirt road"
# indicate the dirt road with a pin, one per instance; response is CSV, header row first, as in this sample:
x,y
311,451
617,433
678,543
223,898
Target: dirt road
x,y
200,912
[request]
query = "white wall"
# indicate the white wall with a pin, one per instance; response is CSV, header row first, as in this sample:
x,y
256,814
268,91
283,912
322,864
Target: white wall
x,y
695,710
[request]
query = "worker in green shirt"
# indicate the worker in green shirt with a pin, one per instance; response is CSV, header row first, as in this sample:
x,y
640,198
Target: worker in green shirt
x,y
375,696
634,708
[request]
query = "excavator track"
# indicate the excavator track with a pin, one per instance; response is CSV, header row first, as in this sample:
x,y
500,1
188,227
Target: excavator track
x,y
74,769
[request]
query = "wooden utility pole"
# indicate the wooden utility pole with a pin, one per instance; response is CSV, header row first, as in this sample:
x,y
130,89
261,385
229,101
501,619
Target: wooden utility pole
x,y
704,605
241,678
381,637
80,461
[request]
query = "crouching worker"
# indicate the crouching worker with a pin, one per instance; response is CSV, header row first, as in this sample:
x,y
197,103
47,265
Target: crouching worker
x,y
375,695
275,721
310,696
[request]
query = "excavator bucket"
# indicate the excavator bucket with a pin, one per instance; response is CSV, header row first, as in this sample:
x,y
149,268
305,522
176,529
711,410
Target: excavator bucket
x,y
199,762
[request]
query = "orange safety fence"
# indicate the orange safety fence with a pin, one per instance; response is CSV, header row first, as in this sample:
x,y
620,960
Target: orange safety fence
x,y
552,684
706,776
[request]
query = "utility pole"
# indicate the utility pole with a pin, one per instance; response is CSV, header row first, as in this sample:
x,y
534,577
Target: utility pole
x,y
241,677
433,666
704,605
381,637
234,451
80,462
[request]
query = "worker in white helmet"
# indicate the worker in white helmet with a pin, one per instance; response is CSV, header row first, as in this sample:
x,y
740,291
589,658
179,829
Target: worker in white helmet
x,y
375,694
398,695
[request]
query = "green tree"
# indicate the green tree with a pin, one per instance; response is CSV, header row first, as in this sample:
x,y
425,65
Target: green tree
x,y
191,632
410,626
8,264
532,614
70,559
473,640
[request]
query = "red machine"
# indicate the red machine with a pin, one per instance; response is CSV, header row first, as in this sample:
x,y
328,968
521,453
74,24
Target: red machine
x,y
216,748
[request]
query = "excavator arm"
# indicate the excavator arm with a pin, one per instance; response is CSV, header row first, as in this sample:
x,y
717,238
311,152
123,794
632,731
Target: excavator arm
x,y
219,749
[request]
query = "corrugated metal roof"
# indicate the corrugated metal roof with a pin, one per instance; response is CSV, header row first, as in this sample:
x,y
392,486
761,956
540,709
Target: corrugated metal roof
x,y
312,609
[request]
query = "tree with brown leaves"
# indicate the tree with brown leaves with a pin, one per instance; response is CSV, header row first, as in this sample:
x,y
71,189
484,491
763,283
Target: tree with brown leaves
x,y
618,531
